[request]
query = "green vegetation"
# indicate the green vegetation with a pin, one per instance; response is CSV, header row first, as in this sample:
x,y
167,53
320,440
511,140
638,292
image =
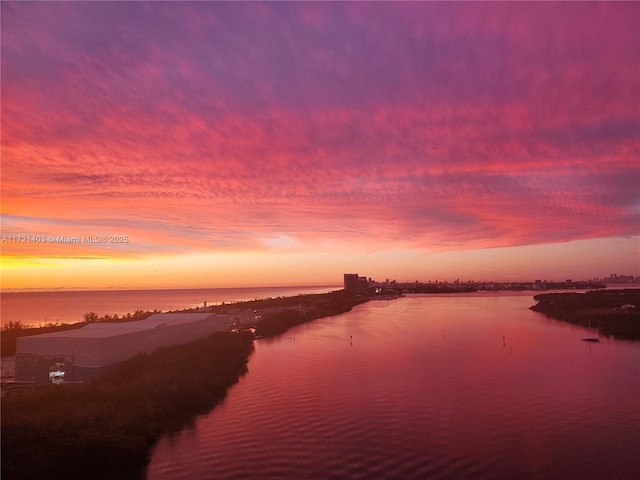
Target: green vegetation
x,y
309,307
313,306
106,429
613,312
278,302
279,322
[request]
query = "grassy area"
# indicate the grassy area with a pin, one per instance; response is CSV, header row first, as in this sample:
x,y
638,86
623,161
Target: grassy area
x,y
106,429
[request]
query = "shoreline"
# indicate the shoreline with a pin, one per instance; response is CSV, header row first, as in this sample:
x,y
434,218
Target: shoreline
x,y
613,313
101,439
107,428
160,289
12,330
37,309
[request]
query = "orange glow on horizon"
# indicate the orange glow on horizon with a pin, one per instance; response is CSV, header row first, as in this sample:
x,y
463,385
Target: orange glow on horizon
x,y
259,268
290,160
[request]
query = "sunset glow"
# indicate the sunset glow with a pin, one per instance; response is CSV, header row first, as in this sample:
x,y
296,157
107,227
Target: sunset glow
x,y
210,144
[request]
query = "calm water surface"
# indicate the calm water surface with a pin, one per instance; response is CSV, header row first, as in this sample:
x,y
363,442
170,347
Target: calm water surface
x,y
424,387
34,308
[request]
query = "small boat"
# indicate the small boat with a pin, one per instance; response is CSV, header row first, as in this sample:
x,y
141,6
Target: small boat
x,y
591,339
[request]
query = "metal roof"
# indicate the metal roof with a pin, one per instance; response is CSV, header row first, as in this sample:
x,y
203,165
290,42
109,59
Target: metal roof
x,y
113,329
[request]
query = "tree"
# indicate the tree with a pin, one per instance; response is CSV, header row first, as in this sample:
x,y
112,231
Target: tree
x,y
11,325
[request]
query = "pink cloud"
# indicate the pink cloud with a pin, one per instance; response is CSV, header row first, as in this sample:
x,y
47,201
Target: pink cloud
x,y
215,126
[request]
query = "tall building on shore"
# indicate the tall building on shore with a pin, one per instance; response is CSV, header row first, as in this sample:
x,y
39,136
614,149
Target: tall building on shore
x,y
355,285
350,283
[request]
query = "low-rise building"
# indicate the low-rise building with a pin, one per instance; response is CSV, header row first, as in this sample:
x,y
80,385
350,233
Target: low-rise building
x,y
88,352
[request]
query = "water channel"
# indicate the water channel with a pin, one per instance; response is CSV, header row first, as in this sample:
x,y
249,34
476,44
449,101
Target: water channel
x,y
467,386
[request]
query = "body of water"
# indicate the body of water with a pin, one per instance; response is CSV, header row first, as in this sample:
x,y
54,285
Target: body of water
x,y
472,386
36,308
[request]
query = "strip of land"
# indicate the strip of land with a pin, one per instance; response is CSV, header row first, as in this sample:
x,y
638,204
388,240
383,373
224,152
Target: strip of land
x,y
613,313
107,428
270,316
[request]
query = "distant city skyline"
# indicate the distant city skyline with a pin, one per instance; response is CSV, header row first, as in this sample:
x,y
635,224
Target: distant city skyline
x,y
219,144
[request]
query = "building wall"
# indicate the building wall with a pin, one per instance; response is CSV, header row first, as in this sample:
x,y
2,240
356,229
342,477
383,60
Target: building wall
x,y
354,284
351,283
119,348
32,368
97,348
84,351
363,285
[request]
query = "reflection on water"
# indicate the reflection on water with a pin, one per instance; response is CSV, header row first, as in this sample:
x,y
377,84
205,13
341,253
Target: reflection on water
x,y
464,387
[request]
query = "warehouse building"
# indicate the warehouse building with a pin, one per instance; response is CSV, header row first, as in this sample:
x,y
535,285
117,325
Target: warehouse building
x,y
88,352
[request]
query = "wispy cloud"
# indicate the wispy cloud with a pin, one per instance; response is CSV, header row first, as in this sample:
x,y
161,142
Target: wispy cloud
x,y
216,126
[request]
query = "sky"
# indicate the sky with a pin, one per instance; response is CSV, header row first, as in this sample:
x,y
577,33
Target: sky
x,y
214,144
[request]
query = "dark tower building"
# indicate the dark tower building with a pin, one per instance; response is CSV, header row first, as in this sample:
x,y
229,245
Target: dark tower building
x,y
351,284
355,285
